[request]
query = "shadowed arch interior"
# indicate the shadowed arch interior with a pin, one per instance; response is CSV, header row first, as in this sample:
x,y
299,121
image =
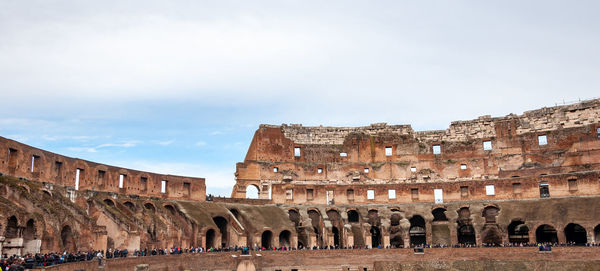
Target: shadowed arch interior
x,y
575,234
222,225
266,239
284,238
546,234
518,232
12,228
417,230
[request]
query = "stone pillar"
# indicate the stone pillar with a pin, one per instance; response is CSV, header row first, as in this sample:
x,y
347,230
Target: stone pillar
x,y
386,240
428,233
453,234
561,235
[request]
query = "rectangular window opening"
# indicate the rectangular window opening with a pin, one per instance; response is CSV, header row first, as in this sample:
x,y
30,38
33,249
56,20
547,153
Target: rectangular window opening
x,y
544,190
438,195
370,194
297,151
598,132
121,180
12,157
33,159
542,140
463,166
572,184
490,190
77,176
57,167
517,188
310,194
437,149
144,183
343,154
319,170
388,151
413,169
187,188
289,194
163,186
487,145
330,197
350,194
464,191
414,193
275,169
366,170
391,194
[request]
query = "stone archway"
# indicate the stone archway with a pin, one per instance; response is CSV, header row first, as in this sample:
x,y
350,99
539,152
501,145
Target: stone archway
x,y
316,222
575,234
396,236
210,239
222,224
546,234
252,191
266,239
284,239
518,232
12,228
417,231
67,239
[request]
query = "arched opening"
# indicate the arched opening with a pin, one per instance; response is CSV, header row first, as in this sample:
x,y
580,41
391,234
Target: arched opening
x,y
29,232
353,216
546,234
490,214
518,232
315,218
417,231
294,217
12,228
336,221
466,235
171,209
265,239
149,206
222,225
439,214
130,205
109,202
575,234
284,238
67,240
597,234
375,237
252,192
210,238
336,237
396,238
47,193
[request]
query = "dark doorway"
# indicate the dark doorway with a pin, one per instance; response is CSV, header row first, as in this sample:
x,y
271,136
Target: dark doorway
x,y
210,238
546,234
544,190
29,232
466,235
518,232
315,218
353,216
336,237
265,239
375,237
12,228
222,225
439,214
575,234
284,238
68,242
417,231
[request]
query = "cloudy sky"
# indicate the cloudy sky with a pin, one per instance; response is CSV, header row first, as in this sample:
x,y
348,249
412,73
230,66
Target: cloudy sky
x,y
179,87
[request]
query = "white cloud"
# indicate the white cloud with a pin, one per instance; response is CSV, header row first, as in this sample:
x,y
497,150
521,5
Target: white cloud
x,y
83,149
165,143
200,144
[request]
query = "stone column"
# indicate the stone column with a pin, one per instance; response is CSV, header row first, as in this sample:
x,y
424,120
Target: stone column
x,y
428,233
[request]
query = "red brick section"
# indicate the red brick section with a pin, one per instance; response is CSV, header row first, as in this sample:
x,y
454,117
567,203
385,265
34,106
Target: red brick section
x,y
335,259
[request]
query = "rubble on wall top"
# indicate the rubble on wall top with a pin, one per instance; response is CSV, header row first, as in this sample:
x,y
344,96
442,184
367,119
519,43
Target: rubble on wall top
x,y
543,119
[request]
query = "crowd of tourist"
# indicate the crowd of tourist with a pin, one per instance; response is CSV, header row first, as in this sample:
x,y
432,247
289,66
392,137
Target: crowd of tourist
x,y
30,261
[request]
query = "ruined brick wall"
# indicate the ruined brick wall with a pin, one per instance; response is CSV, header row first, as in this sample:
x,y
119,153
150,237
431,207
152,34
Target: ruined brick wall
x,y
549,146
20,160
569,258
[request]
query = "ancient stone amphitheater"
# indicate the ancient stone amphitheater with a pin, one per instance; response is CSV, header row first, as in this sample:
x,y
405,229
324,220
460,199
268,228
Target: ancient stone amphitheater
x,y
478,195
